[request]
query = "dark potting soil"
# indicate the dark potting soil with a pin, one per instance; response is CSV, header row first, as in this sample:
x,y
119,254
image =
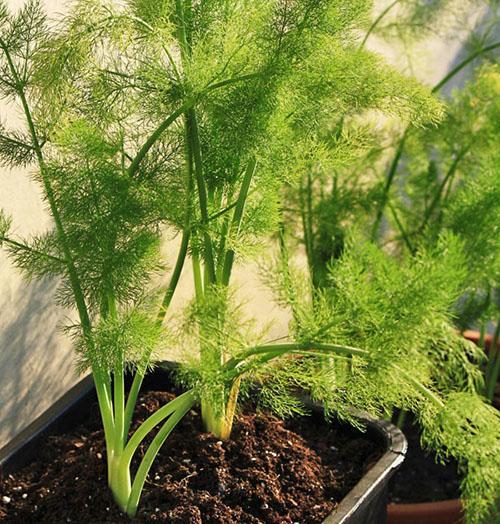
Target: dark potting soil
x,y
420,478
270,472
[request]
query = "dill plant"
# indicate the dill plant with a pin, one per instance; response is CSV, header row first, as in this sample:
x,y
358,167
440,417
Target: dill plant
x,y
104,244
260,135
194,115
451,183
356,192
356,293
446,178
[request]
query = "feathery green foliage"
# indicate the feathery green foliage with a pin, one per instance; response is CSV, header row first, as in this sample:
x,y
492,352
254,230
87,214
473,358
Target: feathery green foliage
x,y
399,313
469,429
194,115
294,64
105,243
452,183
333,199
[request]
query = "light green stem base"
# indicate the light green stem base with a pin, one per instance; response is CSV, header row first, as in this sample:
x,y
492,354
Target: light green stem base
x,y
119,481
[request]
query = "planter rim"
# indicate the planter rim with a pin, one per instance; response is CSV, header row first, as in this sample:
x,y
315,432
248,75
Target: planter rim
x,y
475,336
368,488
423,507
381,471
33,432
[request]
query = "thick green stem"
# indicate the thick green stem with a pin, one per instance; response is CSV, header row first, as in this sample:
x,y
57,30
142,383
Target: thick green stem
x,y
184,406
231,405
238,217
174,280
193,142
119,404
182,28
305,228
463,64
482,327
172,286
197,276
402,230
193,145
120,460
183,109
139,375
101,382
118,388
308,224
213,412
155,136
119,480
149,424
221,250
132,400
421,388
494,377
100,379
447,179
277,350
74,280
183,12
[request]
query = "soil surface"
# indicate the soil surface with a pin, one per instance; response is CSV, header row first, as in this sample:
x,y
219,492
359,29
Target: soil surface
x,y
420,478
270,472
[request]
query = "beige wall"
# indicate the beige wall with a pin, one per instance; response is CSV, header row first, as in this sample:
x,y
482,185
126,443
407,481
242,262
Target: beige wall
x,y
36,363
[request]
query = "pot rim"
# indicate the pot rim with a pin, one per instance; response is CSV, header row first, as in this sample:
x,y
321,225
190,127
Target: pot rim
x,y
450,510
366,489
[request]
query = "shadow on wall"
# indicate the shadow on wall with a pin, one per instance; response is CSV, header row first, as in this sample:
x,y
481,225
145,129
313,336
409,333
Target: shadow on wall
x,y
31,379
486,25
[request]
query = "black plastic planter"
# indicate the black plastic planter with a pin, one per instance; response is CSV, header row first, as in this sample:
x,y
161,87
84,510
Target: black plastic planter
x,y
366,503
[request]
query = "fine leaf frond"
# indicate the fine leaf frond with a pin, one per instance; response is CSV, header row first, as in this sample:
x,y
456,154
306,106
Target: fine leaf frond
x,y
15,148
127,341
37,257
5,225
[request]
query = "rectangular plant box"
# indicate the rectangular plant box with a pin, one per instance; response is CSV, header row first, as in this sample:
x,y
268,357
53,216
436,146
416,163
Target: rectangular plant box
x,y
365,503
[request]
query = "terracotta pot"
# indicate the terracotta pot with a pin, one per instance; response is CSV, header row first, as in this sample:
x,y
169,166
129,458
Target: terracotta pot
x,y
443,512
474,336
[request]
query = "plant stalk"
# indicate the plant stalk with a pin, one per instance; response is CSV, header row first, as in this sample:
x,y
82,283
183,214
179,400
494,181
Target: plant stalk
x,y
188,400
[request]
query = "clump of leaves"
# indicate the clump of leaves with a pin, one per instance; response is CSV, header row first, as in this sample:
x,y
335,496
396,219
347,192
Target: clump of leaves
x,y
332,199
262,130
451,182
392,319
